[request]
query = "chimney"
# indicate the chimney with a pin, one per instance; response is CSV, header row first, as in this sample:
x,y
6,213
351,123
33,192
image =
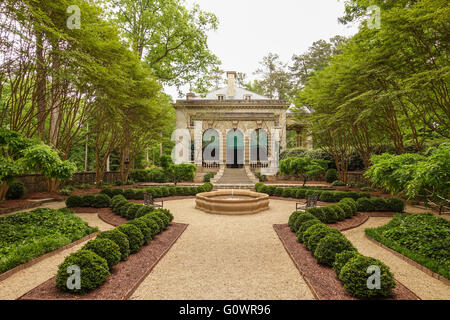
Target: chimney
x,y
231,75
190,95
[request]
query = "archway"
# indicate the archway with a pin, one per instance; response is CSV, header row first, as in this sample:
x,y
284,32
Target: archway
x,y
211,148
235,149
259,148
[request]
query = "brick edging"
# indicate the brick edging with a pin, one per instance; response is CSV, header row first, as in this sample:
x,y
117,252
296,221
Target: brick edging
x,y
33,261
411,262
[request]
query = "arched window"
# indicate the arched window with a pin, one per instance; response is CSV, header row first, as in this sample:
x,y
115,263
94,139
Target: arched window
x,y
259,148
211,147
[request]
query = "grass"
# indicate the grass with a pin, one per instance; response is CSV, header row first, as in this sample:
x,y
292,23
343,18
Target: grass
x,y
423,238
27,235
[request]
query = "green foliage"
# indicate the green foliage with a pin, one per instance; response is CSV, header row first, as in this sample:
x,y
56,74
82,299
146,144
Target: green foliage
x,y
423,238
317,212
380,204
152,223
303,167
342,258
330,215
88,200
208,176
314,236
327,248
128,194
16,190
27,235
181,172
74,201
339,212
102,201
132,211
118,238
305,226
331,175
94,271
134,235
354,276
338,183
143,227
105,248
301,218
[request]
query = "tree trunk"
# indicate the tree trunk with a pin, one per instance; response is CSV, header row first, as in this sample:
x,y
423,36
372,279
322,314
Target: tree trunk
x,y
3,190
41,85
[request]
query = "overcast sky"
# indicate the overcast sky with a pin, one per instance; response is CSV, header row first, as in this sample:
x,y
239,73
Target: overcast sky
x,y
250,29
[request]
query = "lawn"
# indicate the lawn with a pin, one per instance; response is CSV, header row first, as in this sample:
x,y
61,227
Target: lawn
x,y
26,235
423,238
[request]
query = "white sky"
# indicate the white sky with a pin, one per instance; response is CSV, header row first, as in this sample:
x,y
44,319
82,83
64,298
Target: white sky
x,y
250,29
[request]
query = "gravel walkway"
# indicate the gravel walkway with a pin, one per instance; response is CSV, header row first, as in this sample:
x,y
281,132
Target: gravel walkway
x,y
423,285
226,257
25,280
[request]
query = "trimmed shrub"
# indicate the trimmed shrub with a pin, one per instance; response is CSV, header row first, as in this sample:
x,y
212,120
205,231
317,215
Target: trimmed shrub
x,y
143,227
74,201
128,194
331,175
348,211
342,258
117,191
167,213
330,215
118,238
94,271
102,201
108,192
350,202
328,196
313,192
303,217
134,235
15,191
305,226
365,205
172,191
158,220
300,193
278,192
123,208
339,211
132,211
317,235
144,210
139,194
117,199
88,200
163,217
207,177
354,276
105,248
378,203
151,223
395,205
338,183
317,212
293,218
329,246
271,190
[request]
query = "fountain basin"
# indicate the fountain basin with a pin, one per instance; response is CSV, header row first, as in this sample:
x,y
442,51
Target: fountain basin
x,y
232,202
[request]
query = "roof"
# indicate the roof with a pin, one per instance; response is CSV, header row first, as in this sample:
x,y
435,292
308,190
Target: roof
x,y
239,94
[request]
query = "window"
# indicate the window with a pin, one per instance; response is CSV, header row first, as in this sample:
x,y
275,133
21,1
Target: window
x,y
277,121
221,97
247,97
191,122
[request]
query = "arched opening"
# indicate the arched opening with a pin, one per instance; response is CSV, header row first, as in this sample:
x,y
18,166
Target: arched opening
x,y
259,148
211,148
235,149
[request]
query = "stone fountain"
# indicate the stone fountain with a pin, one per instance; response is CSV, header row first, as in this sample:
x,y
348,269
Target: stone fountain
x,y
232,202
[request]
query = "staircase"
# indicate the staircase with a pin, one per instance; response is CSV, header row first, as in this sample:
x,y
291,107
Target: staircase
x,y
229,178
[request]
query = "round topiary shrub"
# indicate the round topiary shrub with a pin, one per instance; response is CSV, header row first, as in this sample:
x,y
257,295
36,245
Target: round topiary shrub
x,y
379,204
117,199
293,218
300,193
88,200
74,201
152,224
134,235
132,211
329,246
301,219
94,271
352,203
342,258
128,194
287,192
108,192
163,217
317,235
316,212
305,226
347,209
15,191
123,210
313,229
139,194
105,248
278,191
157,219
355,275
364,205
102,201
330,215
118,238
143,227
331,175
395,205
339,211
167,213
117,191
327,196
143,210
117,207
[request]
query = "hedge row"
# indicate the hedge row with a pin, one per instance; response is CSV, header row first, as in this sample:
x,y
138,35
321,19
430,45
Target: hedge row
x,y
331,248
96,258
304,192
380,204
90,200
158,192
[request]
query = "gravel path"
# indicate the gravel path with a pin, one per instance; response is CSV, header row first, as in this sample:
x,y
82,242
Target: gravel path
x,y
423,285
25,280
226,257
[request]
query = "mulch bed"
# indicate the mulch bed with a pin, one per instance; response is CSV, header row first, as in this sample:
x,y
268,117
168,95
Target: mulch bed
x,y
111,218
322,280
359,219
8,206
125,277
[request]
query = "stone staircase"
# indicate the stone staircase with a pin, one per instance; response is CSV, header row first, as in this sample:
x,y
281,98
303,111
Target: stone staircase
x,y
228,178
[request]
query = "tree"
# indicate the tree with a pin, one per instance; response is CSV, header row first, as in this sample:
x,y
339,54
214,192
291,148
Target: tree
x,y
303,167
181,172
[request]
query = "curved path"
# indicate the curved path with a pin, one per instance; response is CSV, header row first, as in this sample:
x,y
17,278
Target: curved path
x,y
226,257
422,284
25,280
